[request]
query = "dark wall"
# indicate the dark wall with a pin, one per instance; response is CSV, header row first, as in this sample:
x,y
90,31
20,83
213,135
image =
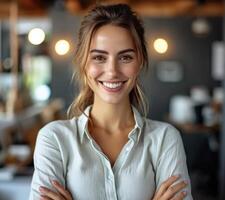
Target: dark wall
x,y
64,26
191,51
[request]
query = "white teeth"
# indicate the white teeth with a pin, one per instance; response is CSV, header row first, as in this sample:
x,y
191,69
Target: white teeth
x,y
112,85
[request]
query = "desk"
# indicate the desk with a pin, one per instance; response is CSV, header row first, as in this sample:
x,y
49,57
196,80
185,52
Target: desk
x,y
29,117
15,120
201,144
7,122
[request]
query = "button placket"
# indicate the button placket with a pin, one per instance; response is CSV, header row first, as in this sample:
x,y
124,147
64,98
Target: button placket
x,y
127,149
110,181
109,176
123,157
109,171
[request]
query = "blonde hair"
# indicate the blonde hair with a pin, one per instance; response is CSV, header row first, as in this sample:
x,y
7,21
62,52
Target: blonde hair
x,y
118,15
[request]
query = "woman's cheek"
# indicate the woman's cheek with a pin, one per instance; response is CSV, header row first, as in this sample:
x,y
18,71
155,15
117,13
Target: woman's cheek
x,y
93,71
131,72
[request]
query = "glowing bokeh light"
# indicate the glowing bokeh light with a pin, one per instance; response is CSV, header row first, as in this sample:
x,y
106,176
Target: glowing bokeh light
x,y
42,93
62,47
161,45
36,36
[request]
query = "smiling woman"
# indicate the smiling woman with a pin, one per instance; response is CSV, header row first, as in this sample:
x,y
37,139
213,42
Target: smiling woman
x,y
109,149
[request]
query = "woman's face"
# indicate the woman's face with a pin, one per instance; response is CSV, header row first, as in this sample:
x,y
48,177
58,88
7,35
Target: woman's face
x,y
113,64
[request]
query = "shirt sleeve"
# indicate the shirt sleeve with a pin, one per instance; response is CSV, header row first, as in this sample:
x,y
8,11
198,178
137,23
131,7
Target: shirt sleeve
x,y
172,160
48,163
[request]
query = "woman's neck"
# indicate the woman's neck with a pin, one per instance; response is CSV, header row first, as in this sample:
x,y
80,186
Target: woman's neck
x,y
112,117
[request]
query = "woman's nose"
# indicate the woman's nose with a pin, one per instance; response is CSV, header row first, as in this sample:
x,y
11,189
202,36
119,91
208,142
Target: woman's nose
x,y
112,67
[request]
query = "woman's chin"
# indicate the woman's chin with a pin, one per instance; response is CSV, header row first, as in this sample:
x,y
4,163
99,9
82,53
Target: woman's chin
x,y
113,100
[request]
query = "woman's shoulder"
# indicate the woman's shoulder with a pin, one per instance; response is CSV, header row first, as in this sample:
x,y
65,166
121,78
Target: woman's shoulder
x,y
160,129
59,124
162,137
59,127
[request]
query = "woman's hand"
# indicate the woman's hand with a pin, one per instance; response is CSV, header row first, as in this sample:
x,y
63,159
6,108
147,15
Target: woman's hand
x,y
168,192
61,194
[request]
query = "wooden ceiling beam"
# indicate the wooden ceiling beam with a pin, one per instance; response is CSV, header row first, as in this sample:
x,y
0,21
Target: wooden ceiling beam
x,y
210,9
22,12
146,8
179,8
163,9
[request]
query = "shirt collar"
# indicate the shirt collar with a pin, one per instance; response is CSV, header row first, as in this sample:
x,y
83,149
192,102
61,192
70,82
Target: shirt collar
x,y
134,134
83,122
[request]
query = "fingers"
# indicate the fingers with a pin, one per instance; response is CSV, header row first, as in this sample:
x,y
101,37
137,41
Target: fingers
x,y
47,194
61,190
61,194
169,190
165,185
44,198
174,189
180,196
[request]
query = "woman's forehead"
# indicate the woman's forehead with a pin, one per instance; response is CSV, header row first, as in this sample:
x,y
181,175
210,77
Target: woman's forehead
x,y
111,36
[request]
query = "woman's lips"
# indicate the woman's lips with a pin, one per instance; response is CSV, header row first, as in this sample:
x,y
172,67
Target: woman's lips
x,y
112,86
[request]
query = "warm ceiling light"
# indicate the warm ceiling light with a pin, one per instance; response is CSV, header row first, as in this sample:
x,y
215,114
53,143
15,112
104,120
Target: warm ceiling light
x,y
160,45
200,26
36,36
62,47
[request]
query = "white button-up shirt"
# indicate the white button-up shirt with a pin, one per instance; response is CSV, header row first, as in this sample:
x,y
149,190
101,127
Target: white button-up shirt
x,y
66,152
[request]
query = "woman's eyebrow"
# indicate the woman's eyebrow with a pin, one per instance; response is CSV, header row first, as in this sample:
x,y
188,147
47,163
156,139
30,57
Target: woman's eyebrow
x,y
105,52
126,50
98,51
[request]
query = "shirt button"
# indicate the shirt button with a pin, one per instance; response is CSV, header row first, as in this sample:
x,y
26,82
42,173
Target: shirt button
x,y
128,149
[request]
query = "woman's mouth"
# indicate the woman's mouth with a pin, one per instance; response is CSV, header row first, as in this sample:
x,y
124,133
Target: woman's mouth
x,y
112,86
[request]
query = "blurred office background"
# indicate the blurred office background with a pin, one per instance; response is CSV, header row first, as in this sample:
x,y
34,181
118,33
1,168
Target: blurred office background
x,y
184,85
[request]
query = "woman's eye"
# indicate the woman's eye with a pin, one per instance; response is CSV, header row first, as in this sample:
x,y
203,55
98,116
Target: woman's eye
x,y
99,58
126,58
